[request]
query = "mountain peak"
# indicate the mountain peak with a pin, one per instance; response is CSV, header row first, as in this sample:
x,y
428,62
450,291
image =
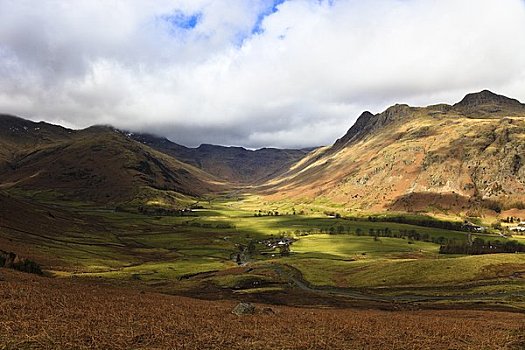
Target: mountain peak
x,y
361,123
487,97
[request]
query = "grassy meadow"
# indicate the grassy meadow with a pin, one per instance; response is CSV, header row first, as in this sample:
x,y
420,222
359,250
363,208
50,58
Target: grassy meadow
x,y
225,244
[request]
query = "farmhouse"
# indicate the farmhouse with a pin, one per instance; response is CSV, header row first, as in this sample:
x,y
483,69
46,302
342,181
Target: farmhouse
x,y
473,227
519,228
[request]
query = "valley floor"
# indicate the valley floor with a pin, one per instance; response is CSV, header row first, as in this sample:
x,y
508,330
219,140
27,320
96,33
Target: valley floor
x,y
126,280
45,313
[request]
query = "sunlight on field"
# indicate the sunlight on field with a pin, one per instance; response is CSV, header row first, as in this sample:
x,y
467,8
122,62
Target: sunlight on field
x,y
201,247
350,246
408,272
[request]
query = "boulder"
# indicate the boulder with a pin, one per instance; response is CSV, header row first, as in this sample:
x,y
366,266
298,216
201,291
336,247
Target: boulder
x,y
244,309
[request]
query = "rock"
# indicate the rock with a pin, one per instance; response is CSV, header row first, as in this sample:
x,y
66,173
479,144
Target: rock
x,y
244,309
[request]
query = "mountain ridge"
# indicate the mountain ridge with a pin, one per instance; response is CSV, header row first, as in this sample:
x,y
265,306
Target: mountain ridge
x,y
107,165
469,152
231,163
482,101
462,157
487,97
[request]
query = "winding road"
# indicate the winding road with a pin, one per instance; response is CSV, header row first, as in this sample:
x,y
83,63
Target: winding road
x,y
294,277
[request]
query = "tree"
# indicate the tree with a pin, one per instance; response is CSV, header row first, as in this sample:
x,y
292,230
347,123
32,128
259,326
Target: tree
x,y
284,250
252,247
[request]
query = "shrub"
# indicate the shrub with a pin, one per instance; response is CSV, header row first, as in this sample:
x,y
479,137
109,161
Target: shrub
x,y
12,261
494,205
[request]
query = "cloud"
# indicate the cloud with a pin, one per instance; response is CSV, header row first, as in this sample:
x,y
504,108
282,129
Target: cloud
x,y
254,73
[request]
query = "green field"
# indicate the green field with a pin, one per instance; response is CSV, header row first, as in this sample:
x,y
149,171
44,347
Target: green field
x,y
200,248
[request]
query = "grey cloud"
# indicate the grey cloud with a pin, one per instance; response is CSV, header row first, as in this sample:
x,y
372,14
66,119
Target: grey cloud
x,y
301,80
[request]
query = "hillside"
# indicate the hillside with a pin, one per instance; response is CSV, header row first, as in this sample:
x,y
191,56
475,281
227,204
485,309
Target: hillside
x,y
105,165
233,164
44,313
464,158
18,135
98,164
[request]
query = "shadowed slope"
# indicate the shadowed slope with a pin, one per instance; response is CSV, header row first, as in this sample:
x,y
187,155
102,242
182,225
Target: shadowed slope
x,y
234,164
98,164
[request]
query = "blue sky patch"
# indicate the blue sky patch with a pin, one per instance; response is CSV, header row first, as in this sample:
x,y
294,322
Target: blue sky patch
x,y
179,20
257,28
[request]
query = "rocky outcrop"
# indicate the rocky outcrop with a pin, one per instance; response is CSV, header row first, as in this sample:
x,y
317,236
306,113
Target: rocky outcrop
x,y
361,124
244,309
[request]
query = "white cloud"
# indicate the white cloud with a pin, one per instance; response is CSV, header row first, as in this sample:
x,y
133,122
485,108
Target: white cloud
x,y
299,81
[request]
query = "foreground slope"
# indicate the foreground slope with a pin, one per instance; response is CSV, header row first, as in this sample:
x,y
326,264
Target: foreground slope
x,y
74,315
467,158
98,164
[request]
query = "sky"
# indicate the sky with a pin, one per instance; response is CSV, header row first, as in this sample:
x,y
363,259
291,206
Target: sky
x,y
252,73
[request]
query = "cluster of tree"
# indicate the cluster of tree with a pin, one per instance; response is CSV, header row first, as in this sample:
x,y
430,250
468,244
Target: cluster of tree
x,y
259,213
511,220
333,230
155,211
420,221
245,252
494,205
268,213
412,235
284,250
478,246
12,261
386,232
220,225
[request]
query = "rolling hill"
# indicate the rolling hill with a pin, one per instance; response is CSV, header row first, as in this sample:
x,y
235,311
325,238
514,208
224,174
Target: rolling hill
x,y
463,158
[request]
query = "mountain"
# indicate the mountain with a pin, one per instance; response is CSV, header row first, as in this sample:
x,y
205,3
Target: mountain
x,y
487,103
98,164
233,164
465,158
105,165
17,135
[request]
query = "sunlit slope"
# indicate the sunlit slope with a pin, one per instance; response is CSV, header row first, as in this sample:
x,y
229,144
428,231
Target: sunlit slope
x,y
461,158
